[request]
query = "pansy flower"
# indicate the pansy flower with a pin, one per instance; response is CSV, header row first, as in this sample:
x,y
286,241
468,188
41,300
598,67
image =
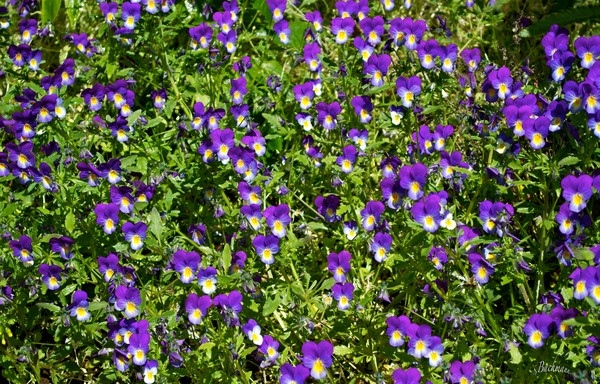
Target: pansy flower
x,y
388,5
538,328
151,7
408,376
282,30
186,263
438,257
346,8
277,8
392,192
108,266
207,279
364,49
342,28
293,375
408,89
449,161
252,330
448,55
128,299
560,314
222,143
327,206
359,137
317,358
472,58
151,367
201,36
304,94
413,32
588,50
229,40
480,267
397,329
413,179
538,132
427,51
238,90
343,294
339,265
28,29
22,249
577,191
135,234
94,96
377,66
328,113
501,81
461,373
231,306
107,215
269,348
21,154
51,275
266,247
350,229
556,40
561,64
495,216
371,214
420,341
591,97
197,307
347,159
372,29
427,213
62,245
138,347
311,58
573,94
278,217
79,306
130,14
109,10
381,246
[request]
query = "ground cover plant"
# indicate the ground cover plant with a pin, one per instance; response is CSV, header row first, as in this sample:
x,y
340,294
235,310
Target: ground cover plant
x,y
272,191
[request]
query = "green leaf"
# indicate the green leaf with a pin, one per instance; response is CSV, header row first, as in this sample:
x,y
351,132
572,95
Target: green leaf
x,y
156,224
70,222
133,117
271,306
97,305
226,257
569,160
515,355
564,18
207,345
51,307
50,10
583,254
341,350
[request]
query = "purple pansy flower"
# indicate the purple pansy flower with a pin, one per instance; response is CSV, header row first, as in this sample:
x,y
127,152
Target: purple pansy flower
x,y
538,328
317,358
